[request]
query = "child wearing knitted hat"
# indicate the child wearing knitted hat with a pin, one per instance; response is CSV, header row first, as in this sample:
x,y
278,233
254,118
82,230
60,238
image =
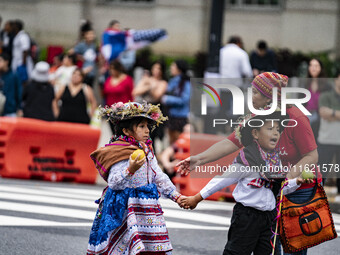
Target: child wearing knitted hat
x,y
129,219
256,189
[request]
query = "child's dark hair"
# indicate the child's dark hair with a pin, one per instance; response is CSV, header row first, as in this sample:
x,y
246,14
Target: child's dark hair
x,y
247,137
129,124
246,133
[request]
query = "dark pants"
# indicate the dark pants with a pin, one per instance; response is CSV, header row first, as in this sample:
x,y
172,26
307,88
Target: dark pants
x,y
326,155
250,231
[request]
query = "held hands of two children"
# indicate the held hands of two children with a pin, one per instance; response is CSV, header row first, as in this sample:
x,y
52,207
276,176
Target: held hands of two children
x,y
180,200
190,202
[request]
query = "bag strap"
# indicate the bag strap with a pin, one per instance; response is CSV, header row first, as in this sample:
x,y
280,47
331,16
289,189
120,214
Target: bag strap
x,y
316,181
316,174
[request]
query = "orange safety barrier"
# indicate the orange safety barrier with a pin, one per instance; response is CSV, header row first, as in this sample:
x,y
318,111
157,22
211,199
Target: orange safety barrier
x,y
192,144
54,151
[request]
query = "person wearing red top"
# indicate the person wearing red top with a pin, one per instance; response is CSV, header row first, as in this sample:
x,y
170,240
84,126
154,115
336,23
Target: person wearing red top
x,y
118,86
298,148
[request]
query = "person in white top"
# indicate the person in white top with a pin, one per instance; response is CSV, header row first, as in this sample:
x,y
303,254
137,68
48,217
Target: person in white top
x,y
22,63
234,61
234,65
257,170
63,74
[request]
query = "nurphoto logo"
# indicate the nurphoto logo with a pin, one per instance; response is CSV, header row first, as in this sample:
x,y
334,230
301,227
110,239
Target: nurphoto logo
x,y
238,104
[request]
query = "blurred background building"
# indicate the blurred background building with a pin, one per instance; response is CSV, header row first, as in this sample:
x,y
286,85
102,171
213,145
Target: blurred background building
x,y
300,25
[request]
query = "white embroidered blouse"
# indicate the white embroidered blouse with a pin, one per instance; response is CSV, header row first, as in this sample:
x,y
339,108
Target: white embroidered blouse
x,y
120,177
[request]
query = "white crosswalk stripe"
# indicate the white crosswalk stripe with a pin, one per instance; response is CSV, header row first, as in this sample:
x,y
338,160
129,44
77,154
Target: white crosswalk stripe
x,y
43,205
40,191
78,203
21,221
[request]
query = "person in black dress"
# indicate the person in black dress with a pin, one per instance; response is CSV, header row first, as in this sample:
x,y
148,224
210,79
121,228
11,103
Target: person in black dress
x,y
73,100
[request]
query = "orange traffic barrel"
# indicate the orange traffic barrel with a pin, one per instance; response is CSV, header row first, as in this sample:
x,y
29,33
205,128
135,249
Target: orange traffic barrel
x,y
191,184
54,151
182,146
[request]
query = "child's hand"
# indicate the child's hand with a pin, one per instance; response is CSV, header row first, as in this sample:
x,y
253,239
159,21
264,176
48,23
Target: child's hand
x,y
300,181
191,202
180,200
134,165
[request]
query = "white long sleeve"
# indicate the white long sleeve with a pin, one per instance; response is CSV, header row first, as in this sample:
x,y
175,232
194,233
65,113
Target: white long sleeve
x,y
163,182
231,176
259,198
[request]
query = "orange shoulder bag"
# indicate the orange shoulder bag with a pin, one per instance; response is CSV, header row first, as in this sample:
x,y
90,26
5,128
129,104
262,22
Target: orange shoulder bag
x,y
307,224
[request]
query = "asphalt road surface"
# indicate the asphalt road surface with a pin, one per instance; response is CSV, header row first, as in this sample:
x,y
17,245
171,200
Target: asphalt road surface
x,y
43,218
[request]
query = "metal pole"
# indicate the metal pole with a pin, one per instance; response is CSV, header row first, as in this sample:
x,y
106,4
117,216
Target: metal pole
x,y
337,40
215,35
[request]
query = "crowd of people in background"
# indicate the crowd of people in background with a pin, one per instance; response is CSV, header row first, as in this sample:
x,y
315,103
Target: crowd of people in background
x,y
65,89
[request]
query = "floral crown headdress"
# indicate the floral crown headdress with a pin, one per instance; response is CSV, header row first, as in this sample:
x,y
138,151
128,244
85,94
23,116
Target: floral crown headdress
x,y
120,112
243,120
